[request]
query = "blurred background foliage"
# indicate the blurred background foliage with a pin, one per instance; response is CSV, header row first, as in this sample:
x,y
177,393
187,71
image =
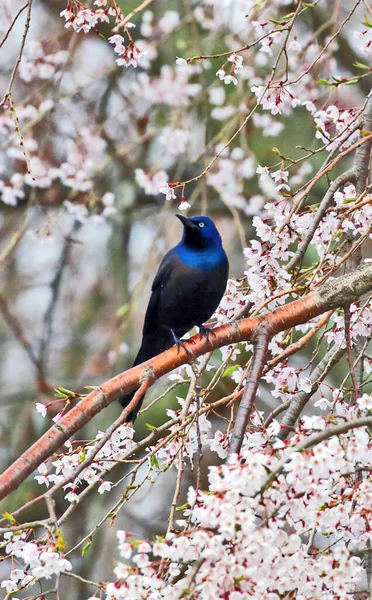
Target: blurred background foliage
x,y
75,288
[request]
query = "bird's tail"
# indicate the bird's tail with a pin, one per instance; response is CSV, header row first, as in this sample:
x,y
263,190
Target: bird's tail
x,y
150,347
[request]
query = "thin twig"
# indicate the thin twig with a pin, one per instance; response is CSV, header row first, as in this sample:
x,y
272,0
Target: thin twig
x,y
19,58
12,24
55,288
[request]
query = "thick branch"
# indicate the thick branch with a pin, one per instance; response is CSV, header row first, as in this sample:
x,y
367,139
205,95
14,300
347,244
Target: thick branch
x,y
337,293
259,358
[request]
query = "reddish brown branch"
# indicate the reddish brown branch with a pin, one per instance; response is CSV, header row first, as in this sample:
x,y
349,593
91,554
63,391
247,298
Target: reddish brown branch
x,y
339,292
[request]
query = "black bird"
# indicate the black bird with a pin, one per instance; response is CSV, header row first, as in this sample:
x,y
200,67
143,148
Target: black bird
x,y
186,291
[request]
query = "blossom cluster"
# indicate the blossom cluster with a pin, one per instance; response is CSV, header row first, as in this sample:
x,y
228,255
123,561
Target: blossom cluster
x,y
119,444
249,538
236,65
38,64
40,561
128,55
332,123
86,19
266,259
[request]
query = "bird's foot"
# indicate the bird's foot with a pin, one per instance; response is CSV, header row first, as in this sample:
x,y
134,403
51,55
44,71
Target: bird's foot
x,y
182,344
207,331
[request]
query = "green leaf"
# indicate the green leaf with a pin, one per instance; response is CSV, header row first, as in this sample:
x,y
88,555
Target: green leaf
x,y
230,370
83,457
183,507
86,548
122,310
9,518
150,427
360,65
274,22
154,461
288,16
65,391
325,82
60,544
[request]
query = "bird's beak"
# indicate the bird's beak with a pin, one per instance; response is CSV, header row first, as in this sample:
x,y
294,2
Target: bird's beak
x,y
186,222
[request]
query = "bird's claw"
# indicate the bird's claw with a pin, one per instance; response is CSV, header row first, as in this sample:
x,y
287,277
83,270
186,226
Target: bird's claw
x,y
206,331
182,344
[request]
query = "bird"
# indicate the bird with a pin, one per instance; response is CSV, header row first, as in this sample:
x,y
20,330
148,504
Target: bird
x,y
185,293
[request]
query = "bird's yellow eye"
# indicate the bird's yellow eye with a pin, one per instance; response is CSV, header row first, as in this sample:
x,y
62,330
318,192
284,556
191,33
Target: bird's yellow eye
x,y
201,224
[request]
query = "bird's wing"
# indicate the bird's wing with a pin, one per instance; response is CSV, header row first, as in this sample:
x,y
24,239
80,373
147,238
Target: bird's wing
x,y
165,269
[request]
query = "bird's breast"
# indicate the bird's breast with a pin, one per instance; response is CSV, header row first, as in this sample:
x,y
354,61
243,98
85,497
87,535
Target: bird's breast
x,y
204,260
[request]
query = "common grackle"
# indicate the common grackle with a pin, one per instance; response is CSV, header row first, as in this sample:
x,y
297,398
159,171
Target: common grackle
x,y
186,291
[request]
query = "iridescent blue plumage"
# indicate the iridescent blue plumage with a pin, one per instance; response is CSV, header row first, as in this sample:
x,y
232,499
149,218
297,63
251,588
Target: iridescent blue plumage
x,y
186,291
208,253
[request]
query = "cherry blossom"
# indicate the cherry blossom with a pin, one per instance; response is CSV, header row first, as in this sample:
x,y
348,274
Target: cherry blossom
x,y
85,19
129,55
168,190
234,509
41,408
37,64
40,561
289,516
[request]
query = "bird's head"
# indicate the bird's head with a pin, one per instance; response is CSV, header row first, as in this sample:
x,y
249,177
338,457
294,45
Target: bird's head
x,y
199,232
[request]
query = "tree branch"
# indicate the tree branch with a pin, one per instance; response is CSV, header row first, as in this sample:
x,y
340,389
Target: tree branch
x,y
345,289
264,336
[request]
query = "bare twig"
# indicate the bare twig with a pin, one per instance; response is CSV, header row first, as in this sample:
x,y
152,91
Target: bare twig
x,y
55,288
12,24
19,58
